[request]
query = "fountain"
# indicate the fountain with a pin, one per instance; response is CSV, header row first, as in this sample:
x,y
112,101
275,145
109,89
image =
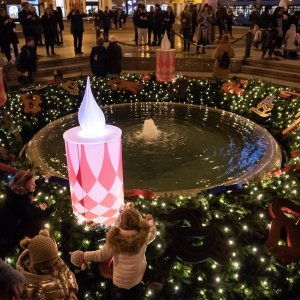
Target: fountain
x,y
150,132
187,149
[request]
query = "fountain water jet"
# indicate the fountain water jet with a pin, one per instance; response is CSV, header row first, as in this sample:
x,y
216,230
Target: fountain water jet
x,y
150,131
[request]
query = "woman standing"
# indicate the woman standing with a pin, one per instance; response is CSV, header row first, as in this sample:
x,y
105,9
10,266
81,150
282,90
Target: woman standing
x,y
8,35
204,19
223,54
49,26
61,26
19,216
186,27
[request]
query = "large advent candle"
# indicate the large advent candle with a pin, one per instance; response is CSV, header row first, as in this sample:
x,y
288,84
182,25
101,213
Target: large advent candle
x,y
94,158
165,61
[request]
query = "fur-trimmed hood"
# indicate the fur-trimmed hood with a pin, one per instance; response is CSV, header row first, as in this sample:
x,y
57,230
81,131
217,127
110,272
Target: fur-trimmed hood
x,y
128,241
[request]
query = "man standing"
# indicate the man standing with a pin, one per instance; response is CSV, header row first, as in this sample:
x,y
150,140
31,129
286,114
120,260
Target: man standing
x,y
76,17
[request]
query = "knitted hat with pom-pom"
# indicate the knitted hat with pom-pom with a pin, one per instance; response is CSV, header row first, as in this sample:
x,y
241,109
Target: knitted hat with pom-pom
x,y
41,248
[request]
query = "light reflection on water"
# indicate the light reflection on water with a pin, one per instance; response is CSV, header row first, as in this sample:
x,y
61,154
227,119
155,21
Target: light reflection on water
x,y
195,148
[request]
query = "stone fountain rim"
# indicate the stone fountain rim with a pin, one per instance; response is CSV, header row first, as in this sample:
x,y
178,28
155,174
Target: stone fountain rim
x,y
260,170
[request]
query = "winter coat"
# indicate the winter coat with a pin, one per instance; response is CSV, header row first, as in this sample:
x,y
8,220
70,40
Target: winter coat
x,y
18,217
8,35
40,287
186,20
127,247
28,59
30,25
114,54
218,72
290,39
50,28
76,19
98,60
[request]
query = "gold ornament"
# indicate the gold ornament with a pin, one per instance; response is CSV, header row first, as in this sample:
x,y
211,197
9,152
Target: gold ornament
x,y
71,87
293,126
264,107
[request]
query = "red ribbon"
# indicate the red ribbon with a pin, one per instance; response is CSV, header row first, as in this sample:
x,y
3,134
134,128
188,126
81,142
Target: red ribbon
x,y
287,169
295,153
7,169
137,193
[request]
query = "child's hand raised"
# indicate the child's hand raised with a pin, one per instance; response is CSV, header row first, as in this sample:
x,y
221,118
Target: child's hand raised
x,y
72,296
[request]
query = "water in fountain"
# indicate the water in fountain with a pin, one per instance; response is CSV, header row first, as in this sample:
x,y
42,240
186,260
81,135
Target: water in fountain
x,y
149,132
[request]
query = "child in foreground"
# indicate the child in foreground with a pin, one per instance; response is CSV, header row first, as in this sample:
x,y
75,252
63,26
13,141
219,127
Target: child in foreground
x,y
127,245
46,275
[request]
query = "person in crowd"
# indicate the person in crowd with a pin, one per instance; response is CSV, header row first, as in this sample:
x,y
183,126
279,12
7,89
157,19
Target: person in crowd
x,y
76,17
98,59
121,18
124,19
114,55
168,21
115,17
61,26
135,23
264,22
204,20
19,216
277,18
185,27
254,16
105,23
55,15
8,35
229,21
290,45
26,62
150,24
223,54
221,17
127,244
268,41
12,282
142,27
29,21
46,274
157,24
49,23
194,13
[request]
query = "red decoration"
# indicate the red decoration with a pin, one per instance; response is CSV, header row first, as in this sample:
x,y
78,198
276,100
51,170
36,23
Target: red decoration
x,y
31,103
2,89
282,171
137,193
295,153
121,84
288,94
289,251
232,88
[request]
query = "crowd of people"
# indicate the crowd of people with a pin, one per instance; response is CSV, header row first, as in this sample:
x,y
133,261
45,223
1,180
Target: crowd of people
x,y
41,273
273,33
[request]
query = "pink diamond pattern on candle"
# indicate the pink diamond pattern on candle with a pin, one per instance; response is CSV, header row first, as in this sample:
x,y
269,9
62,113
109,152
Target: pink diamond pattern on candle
x,y
102,196
165,65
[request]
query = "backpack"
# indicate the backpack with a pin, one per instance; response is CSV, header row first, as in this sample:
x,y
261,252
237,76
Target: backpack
x,y
224,61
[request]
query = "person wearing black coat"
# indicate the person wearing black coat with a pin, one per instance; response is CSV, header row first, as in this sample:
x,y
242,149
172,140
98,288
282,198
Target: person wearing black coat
x,y
76,17
98,59
27,62
8,35
30,22
19,216
157,24
60,24
114,54
50,28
